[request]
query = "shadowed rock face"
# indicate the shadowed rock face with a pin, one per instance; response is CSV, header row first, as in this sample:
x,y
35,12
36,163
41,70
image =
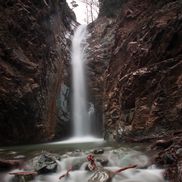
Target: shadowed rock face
x,y
34,50
101,42
139,77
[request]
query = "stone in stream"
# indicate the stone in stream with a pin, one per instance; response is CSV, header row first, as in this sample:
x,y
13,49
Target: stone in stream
x,y
44,164
98,151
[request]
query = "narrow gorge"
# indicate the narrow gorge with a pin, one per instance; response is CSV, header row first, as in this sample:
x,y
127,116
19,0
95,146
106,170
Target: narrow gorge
x,y
131,56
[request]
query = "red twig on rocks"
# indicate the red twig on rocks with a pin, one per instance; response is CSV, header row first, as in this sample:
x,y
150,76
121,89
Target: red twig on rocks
x,y
66,174
124,168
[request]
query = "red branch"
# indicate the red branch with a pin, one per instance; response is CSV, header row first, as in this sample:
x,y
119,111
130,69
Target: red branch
x,y
66,174
123,169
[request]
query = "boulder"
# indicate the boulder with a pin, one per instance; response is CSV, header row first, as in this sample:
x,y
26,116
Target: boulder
x,y
44,164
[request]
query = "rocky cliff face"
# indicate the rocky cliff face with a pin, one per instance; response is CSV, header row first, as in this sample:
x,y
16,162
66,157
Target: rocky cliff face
x,y
101,42
137,67
34,51
135,76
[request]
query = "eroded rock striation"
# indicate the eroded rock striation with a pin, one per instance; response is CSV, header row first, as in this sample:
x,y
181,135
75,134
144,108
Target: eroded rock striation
x,y
137,67
34,52
145,89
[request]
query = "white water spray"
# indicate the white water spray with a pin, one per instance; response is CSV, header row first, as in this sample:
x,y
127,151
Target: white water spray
x,y
81,124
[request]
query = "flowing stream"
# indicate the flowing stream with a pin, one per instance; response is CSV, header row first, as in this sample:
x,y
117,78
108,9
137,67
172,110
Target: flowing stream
x,y
112,157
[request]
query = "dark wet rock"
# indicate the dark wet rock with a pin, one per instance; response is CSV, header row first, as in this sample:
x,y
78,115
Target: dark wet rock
x,y
170,158
98,151
64,110
179,152
179,171
44,164
9,164
163,144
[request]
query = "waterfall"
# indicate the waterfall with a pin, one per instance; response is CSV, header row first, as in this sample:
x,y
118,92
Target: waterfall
x,y
81,122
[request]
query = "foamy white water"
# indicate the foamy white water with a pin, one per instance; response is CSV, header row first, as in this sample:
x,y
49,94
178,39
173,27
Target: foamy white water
x,y
81,124
119,159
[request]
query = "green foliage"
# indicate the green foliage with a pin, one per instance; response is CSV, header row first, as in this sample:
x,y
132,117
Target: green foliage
x,y
110,8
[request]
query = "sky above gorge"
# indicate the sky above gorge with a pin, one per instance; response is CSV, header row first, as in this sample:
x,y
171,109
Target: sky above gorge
x,y
80,11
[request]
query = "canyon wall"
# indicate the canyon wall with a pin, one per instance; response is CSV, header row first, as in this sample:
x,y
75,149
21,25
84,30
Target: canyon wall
x,y
136,67
34,54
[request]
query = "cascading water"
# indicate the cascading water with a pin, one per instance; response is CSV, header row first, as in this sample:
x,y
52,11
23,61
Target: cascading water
x,y
81,122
